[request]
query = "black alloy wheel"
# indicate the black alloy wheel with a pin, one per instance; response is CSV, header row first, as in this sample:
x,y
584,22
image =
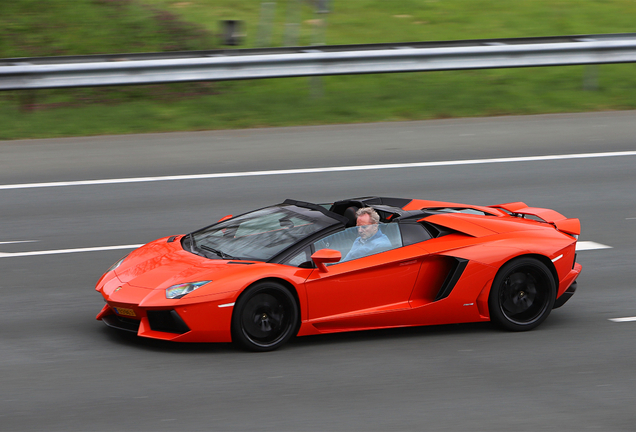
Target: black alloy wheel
x,y
522,294
265,317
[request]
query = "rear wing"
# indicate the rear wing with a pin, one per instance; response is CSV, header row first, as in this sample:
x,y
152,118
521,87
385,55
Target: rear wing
x,y
520,209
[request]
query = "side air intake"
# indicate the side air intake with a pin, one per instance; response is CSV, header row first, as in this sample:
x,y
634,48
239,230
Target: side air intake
x,y
451,279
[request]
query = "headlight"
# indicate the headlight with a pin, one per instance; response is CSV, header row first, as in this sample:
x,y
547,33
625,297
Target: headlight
x,y
117,264
178,291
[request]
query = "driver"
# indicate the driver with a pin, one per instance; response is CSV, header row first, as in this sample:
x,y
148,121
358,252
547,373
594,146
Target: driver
x,y
370,239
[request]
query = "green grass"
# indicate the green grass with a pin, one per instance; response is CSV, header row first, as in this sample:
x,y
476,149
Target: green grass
x,y
33,28
56,27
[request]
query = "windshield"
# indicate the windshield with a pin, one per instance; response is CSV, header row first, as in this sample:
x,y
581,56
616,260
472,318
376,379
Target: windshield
x,y
262,234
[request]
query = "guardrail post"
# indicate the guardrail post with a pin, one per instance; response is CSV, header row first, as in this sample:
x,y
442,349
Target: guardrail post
x,y
590,78
264,35
292,26
318,38
232,33
323,6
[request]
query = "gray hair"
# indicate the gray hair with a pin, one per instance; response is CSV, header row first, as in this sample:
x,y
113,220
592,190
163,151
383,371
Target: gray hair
x,y
375,217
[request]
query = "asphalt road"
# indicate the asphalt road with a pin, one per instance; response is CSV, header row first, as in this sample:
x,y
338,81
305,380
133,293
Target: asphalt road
x,y
60,369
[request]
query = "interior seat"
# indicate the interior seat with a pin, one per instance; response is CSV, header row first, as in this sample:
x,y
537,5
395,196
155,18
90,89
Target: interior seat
x,y
350,214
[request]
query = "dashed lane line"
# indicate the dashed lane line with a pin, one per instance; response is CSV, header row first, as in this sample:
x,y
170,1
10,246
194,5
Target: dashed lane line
x,y
66,251
18,241
626,319
590,245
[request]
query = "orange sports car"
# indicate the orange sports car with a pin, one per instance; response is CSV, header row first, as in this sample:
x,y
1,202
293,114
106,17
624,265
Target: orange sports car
x,y
296,269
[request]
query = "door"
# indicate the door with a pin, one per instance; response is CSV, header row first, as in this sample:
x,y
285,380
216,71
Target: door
x,y
353,293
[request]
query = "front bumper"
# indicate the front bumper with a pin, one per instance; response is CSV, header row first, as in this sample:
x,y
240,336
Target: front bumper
x,y
166,321
121,323
198,322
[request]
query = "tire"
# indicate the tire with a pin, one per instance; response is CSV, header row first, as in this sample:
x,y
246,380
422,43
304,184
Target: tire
x,y
522,294
265,317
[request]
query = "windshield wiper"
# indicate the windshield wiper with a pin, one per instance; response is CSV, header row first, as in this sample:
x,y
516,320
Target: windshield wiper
x,y
218,252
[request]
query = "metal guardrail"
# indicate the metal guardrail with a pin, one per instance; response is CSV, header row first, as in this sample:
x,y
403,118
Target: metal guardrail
x,y
222,65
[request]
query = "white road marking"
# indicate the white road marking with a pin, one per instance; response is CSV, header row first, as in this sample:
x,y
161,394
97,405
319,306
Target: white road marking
x,y
319,170
590,245
626,319
66,251
18,241
634,218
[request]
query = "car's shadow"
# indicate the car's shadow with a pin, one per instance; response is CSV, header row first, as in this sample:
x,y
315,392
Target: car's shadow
x,y
402,333
131,340
422,333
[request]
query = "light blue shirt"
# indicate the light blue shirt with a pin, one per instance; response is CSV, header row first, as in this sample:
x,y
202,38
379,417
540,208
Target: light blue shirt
x,y
374,244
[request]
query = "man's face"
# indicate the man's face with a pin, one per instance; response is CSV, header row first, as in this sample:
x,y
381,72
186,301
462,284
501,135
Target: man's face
x,y
366,228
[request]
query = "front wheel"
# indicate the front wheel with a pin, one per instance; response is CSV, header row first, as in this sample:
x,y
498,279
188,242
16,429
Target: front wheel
x,y
522,294
265,317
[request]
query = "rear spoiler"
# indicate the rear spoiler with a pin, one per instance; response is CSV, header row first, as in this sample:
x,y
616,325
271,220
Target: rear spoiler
x,y
568,226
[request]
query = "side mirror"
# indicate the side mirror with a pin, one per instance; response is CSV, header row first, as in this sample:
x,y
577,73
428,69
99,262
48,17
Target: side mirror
x,y
324,256
225,218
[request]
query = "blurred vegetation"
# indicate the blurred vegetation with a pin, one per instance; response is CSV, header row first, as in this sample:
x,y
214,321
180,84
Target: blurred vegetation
x,y
35,28
30,28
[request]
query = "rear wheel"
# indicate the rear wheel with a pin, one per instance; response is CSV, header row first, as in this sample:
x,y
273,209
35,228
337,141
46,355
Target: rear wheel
x,y
522,294
265,317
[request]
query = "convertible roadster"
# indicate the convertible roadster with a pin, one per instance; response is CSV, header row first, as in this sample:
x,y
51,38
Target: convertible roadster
x,y
286,270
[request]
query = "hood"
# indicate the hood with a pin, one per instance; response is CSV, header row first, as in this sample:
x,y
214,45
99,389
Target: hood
x,y
160,265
